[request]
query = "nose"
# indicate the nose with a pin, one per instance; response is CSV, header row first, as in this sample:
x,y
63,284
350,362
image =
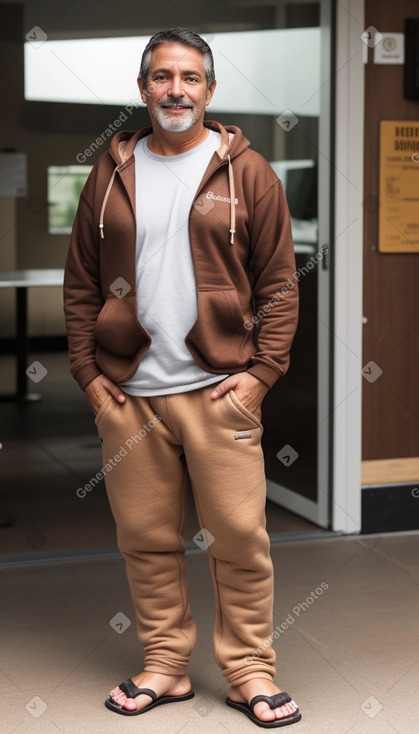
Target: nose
x,y
176,88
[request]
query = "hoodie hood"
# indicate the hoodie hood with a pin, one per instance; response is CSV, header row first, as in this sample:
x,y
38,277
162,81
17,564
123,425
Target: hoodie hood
x,y
233,143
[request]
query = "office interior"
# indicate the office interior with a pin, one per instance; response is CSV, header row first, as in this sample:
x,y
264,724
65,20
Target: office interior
x,y
306,84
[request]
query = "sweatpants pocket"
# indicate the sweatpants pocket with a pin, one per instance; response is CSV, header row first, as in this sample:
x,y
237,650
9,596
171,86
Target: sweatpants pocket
x,y
243,410
103,408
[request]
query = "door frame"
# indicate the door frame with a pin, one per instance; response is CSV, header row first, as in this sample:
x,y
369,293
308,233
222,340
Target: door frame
x,y
348,276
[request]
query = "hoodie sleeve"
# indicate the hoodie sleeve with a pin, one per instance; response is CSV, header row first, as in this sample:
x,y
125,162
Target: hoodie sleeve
x,y
82,292
275,290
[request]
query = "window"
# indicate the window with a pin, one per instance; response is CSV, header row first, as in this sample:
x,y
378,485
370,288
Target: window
x,y
263,72
64,186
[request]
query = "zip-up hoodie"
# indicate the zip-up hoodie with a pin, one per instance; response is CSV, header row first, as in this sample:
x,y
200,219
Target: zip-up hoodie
x,y
243,256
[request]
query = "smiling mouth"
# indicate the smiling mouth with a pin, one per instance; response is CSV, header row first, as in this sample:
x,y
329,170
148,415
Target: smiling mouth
x,y
176,107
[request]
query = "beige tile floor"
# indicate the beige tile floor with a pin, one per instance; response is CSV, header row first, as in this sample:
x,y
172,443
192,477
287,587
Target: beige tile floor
x,y
350,657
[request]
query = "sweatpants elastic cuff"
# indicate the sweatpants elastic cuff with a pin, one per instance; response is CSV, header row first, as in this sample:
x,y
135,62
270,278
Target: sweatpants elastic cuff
x,y
242,676
165,670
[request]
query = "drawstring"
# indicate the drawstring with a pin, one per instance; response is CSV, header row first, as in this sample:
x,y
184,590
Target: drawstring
x,y
232,201
102,211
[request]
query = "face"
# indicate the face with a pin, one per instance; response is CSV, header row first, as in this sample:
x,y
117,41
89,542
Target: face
x,y
176,93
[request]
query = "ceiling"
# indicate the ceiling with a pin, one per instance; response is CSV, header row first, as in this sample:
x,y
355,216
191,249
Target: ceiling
x,y
81,19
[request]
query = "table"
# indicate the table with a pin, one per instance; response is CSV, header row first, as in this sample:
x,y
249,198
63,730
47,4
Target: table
x,y
22,280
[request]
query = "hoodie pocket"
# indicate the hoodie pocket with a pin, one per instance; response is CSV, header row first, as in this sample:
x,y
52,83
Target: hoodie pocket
x,y
118,329
219,335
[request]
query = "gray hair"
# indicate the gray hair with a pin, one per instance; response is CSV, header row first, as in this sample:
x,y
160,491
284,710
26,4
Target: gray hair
x,y
184,37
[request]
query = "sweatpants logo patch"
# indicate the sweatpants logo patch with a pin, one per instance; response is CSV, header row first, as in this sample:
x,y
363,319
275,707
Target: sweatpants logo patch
x,y
239,436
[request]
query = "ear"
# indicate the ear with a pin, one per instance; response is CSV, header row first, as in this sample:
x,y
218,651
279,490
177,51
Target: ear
x,y
142,90
210,92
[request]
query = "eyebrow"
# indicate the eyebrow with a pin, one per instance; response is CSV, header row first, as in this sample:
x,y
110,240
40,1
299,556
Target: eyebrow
x,y
188,72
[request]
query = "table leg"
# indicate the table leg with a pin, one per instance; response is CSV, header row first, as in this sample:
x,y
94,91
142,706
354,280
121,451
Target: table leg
x,y
22,349
21,340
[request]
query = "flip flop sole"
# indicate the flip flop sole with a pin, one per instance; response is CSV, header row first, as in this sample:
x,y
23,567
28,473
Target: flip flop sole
x,y
112,706
247,711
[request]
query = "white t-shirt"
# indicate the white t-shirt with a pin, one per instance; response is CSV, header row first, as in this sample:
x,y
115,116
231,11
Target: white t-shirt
x,y
166,187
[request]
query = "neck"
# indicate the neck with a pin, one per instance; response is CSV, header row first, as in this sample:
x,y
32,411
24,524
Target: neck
x,y
166,142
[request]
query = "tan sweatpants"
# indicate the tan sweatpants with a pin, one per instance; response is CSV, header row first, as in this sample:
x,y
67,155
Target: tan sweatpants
x,y
146,442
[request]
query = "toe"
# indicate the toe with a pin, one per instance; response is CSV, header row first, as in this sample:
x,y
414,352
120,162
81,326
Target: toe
x,y
130,704
117,693
122,700
287,710
119,699
263,712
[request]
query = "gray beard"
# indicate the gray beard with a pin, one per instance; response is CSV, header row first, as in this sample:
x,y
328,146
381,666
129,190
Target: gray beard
x,y
175,125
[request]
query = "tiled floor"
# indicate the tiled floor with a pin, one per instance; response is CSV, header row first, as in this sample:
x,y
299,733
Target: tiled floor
x,y
349,655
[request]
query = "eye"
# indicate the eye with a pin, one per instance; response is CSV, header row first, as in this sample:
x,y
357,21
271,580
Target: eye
x,y
191,79
160,78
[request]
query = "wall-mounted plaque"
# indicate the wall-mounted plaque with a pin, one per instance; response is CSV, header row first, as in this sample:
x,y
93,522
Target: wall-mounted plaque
x,y
398,228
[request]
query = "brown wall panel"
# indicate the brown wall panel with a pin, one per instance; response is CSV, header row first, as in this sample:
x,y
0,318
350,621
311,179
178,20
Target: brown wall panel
x,y
391,281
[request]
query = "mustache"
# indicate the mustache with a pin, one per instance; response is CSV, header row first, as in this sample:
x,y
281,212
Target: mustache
x,y
175,102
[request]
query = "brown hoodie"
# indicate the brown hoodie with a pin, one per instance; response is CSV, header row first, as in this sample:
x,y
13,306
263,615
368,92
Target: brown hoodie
x,y
243,257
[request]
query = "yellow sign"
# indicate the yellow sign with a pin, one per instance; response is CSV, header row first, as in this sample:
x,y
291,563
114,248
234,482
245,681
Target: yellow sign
x,y
398,227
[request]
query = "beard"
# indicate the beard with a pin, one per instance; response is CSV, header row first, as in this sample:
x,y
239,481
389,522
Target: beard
x,y
173,123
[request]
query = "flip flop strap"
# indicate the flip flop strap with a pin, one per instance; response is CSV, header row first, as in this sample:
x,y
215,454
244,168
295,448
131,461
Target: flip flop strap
x,y
131,691
274,701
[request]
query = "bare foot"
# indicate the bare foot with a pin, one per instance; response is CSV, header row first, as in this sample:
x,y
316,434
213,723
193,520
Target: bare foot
x,y
170,685
261,686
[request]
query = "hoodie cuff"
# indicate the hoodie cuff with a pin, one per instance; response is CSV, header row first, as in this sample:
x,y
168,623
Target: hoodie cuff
x,y
264,373
85,375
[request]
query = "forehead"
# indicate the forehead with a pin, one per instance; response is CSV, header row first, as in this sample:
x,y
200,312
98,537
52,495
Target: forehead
x,y
177,56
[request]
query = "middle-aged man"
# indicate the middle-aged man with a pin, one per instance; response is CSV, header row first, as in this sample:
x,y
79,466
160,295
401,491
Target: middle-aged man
x,y
182,235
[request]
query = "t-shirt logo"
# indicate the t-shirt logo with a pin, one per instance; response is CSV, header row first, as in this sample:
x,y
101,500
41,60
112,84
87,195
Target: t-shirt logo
x,y
216,197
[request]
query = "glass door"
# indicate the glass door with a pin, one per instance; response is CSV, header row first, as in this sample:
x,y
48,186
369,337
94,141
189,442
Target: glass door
x,y
276,83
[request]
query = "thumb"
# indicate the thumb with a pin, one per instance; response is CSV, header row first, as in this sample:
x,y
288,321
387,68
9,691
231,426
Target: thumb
x,y
224,386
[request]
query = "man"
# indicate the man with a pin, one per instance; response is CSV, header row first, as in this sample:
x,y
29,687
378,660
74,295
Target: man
x,y
173,225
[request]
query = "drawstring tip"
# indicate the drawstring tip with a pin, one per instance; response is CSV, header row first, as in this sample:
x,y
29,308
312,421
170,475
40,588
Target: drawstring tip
x,y
232,233
102,236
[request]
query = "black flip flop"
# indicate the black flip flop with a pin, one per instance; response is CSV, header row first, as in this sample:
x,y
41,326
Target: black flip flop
x,y
131,691
274,702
